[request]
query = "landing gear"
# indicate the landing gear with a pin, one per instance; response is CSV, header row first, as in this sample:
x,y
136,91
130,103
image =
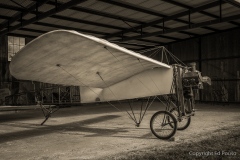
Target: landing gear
x,y
183,121
143,111
163,125
47,111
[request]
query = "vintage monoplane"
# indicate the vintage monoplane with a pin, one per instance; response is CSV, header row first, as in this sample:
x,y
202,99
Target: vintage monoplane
x,y
107,72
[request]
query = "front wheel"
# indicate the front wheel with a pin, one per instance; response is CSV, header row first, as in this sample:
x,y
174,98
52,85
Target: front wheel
x,y
163,125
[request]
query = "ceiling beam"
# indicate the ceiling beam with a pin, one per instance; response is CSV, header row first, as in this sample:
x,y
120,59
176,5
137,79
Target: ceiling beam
x,y
126,43
202,24
189,7
189,33
20,35
135,44
175,16
95,12
200,36
131,6
234,3
10,7
71,28
64,18
56,26
22,14
211,29
99,13
42,16
104,14
88,31
235,23
101,25
138,8
4,17
87,22
32,30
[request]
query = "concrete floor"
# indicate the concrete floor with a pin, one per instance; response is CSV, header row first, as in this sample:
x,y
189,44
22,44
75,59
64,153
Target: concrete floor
x,y
96,131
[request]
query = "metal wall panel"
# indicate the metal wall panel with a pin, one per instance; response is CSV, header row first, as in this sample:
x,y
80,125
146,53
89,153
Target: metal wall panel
x,y
221,45
185,50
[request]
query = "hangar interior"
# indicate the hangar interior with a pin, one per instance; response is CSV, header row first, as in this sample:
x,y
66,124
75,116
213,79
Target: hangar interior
x,y
202,31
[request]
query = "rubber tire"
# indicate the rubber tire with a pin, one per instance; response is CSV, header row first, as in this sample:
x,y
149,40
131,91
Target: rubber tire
x,y
174,127
186,125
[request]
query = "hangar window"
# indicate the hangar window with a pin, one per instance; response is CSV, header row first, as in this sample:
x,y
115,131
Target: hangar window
x,y
14,45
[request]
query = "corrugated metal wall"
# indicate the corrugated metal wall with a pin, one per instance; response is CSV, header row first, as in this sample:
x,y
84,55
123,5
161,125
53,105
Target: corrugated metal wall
x,y
217,56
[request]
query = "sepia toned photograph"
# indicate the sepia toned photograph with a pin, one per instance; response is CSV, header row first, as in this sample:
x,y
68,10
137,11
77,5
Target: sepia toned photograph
x,y
119,79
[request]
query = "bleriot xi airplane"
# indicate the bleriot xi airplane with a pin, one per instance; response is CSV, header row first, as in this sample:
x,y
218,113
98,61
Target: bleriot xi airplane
x,y
107,72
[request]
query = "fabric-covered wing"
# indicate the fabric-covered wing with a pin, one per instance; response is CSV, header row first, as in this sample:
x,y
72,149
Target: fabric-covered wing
x,y
70,58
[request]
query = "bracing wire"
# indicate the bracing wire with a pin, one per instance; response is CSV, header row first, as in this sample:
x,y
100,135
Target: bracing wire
x,y
88,87
115,97
127,69
58,65
134,119
166,52
174,57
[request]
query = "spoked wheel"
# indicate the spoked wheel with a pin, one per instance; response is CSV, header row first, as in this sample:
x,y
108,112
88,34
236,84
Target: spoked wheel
x,y
163,125
183,123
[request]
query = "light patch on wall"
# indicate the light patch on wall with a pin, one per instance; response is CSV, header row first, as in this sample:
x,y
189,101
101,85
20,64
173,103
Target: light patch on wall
x,y
14,45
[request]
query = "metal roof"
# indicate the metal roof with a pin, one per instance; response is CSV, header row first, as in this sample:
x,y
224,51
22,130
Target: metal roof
x,y
136,25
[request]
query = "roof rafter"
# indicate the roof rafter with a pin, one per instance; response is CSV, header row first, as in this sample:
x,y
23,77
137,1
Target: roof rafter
x,y
233,2
101,25
72,28
202,24
20,35
189,7
117,17
42,16
88,31
96,12
175,16
22,13
200,36
138,8
87,22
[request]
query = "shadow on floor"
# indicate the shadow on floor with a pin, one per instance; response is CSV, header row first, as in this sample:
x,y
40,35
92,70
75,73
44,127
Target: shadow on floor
x,y
79,126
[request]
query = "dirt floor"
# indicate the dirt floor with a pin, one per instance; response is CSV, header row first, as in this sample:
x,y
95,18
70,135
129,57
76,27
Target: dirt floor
x,y
99,131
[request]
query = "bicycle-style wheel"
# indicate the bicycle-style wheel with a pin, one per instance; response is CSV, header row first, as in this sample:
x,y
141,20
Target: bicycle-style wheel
x,y
183,123
163,125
